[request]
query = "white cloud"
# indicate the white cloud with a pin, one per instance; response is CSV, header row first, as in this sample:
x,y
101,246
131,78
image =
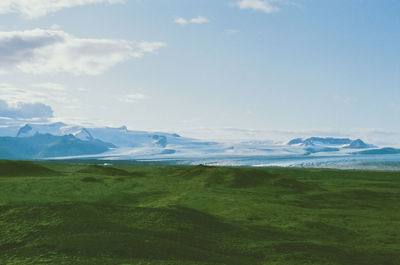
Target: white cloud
x,y
25,110
196,20
41,51
51,94
147,47
267,6
181,21
131,98
37,8
199,20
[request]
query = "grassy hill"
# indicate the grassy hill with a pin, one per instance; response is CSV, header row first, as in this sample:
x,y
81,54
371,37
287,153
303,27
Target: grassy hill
x,y
80,214
22,168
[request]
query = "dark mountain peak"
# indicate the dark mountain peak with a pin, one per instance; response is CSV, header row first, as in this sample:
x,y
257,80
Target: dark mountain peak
x,y
84,134
24,130
331,141
359,144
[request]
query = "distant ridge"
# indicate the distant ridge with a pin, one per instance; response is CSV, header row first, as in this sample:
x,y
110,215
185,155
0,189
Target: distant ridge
x,y
47,145
62,141
380,151
330,141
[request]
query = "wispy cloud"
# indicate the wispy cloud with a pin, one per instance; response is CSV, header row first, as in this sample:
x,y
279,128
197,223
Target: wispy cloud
x,y
14,95
38,8
41,51
197,20
131,98
45,93
49,85
266,6
231,31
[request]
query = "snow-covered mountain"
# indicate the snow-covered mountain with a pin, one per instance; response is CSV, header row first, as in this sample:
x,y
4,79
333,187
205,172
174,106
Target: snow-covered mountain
x,y
329,141
123,143
56,129
120,137
314,145
128,143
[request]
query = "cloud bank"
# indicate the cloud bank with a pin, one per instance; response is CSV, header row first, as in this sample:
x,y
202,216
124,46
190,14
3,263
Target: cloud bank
x,y
25,110
37,8
41,51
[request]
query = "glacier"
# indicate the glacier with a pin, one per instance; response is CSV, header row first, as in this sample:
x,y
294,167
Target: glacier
x,y
111,144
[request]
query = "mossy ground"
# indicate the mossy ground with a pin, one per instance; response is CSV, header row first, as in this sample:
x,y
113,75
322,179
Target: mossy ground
x,y
78,214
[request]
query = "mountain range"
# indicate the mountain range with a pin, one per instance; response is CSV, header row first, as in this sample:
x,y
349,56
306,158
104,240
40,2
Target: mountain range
x,y
60,140
47,146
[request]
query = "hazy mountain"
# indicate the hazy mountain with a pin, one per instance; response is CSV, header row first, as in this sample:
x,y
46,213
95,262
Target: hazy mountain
x,y
120,137
53,140
380,151
47,146
330,141
359,144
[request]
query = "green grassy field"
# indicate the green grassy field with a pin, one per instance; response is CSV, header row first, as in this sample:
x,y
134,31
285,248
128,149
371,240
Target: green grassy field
x,y
84,214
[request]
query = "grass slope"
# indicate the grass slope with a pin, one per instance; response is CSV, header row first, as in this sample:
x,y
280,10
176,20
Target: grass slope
x,y
78,214
22,168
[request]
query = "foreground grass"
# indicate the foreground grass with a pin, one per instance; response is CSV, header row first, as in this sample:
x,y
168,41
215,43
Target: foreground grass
x,y
80,214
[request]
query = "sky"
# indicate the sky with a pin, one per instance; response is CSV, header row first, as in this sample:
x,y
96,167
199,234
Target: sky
x,y
204,68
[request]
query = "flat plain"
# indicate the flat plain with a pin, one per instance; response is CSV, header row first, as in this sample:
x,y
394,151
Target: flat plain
x,y
88,214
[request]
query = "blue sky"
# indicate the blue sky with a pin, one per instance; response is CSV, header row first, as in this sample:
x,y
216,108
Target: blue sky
x,y
300,65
